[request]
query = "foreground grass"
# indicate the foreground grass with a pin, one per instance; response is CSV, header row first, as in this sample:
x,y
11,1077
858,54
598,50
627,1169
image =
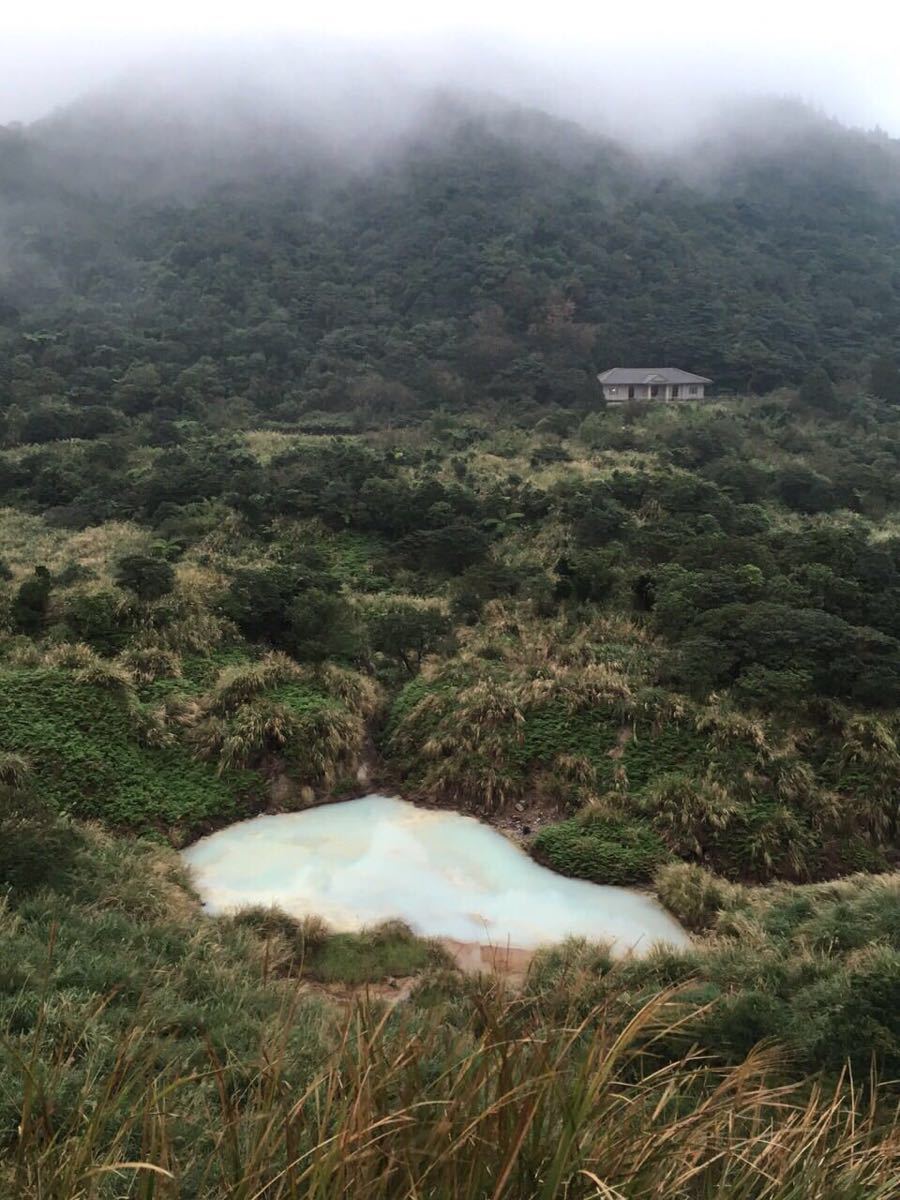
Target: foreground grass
x,y
148,1052
496,1105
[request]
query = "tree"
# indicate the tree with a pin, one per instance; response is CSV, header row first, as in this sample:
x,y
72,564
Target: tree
x,y
138,388
322,625
407,628
258,601
148,576
586,575
884,379
804,490
449,549
100,619
50,423
29,608
298,607
817,391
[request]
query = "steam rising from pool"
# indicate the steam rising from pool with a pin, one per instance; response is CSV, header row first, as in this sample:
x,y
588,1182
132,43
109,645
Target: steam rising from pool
x,y
447,875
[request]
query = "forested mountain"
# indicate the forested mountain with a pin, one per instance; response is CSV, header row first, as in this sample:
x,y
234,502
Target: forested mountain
x,y
482,252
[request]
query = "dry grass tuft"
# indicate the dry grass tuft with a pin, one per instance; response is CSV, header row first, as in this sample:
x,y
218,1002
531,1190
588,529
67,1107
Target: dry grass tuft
x,y
29,542
15,771
107,675
149,663
236,686
238,725
360,693
184,623
71,656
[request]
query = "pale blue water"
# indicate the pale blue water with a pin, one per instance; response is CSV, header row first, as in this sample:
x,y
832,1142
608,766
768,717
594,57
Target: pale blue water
x,y
447,875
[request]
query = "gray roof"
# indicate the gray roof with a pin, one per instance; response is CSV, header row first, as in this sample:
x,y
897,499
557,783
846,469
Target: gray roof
x,y
650,375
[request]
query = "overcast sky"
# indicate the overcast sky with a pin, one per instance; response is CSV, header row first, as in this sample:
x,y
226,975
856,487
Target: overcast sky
x,y
652,54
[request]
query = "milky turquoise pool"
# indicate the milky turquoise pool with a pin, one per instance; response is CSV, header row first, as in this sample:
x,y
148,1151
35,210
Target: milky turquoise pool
x,y
447,875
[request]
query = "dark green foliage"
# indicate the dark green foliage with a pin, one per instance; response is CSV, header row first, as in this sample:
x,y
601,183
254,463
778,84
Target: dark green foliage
x,y
884,379
297,607
258,601
507,301
148,576
805,490
817,391
482,582
29,607
601,849
842,659
100,619
448,549
587,575
407,629
321,625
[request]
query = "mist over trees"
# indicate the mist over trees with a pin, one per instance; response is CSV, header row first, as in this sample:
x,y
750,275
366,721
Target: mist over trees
x,y
157,257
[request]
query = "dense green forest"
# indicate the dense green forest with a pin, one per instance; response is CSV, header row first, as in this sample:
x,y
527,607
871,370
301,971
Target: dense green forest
x,y
303,465
501,258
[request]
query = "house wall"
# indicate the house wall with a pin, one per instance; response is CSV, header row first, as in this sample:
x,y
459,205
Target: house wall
x,y
619,393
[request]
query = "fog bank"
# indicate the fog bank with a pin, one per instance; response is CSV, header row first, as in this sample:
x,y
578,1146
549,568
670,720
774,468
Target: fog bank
x,y
649,91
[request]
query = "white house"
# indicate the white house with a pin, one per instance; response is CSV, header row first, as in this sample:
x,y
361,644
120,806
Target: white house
x,y
651,383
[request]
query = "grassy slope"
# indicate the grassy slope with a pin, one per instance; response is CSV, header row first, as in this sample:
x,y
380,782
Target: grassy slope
x,y
133,1030
87,758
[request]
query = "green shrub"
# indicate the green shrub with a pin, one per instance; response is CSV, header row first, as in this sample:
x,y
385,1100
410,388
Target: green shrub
x,y
87,759
603,849
103,619
386,950
148,576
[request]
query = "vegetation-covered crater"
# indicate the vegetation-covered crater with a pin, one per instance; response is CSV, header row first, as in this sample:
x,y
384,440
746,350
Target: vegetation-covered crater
x,y
311,472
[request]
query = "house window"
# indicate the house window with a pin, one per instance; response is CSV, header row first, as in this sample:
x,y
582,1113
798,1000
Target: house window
x,y
631,393
674,391
693,390
654,392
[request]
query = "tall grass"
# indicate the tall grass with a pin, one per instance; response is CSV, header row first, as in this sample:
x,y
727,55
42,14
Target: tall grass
x,y
412,1105
311,720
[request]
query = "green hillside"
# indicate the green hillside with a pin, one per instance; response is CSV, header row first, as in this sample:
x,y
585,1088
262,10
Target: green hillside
x,y
307,490
504,257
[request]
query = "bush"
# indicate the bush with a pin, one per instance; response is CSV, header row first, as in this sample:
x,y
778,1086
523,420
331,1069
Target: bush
x,y
407,628
817,391
603,849
102,619
29,608
149,577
